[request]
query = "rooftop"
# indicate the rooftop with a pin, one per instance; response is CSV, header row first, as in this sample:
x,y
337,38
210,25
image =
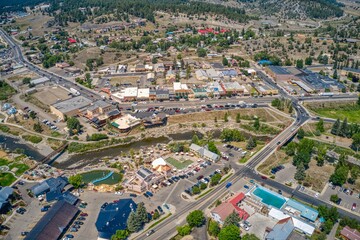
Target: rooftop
x,y
54,222
349,233
306,212
72,104
279,70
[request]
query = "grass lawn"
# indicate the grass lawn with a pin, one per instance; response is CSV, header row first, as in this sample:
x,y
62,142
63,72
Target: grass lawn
x,y
32,138
352,113
178,164
6,179
21,168
3,162
6,91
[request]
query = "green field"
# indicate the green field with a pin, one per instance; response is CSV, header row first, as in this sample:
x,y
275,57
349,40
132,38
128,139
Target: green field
x,y
178,164
352,113
3,162
21,168
32,138
6,91
6,179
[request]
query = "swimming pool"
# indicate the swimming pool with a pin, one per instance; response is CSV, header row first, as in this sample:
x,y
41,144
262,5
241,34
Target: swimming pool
x,y
269,198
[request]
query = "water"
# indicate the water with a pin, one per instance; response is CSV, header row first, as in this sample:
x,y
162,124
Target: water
x,y
13,144
94,157
269,198
93,175
185,135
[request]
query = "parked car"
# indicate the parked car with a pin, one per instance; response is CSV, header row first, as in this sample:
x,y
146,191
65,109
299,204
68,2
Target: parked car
x,y
246,186
133,195
69,236
24,233
45,209
150,232
160,209
73,229
79,223
353,207
338,201
81,218
84,214
200,177
149,193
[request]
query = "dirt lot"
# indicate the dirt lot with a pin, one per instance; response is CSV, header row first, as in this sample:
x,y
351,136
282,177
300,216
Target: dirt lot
x,y
18,77
267,116
51,95
317,176
277,158
126,79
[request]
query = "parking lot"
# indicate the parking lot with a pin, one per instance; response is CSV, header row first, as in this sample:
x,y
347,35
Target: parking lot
x,y
347,200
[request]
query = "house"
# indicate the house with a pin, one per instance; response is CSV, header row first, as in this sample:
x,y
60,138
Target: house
x,y
168,65
55,222
170,75
221,212
282,230
62,65
348,233
150,77
203,152
181,89
114,217
159,67
140,68
201,75
5,196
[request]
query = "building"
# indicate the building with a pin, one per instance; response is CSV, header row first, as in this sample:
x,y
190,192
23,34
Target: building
x,y
159,68
162,94
55,222
6,194
170,75
155,120
98,108
203,152
140,68
143,94
69,107
304,211
114,217
159,165
126,123
38,81
201,75
130,94
144,174
213,74
234,88
221,212
348,233
279,73
199,93
282,230
99,112
216,89
181,90
355,72
150,77
320,83
264,89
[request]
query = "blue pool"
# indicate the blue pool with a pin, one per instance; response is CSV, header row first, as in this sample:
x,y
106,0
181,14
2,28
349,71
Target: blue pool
x,y
269,198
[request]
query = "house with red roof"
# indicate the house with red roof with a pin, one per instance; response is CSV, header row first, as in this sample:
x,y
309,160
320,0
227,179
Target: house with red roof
x,y
221,212
71,40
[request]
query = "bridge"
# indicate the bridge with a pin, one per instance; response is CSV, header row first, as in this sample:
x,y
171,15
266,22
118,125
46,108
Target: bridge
x,y
49,159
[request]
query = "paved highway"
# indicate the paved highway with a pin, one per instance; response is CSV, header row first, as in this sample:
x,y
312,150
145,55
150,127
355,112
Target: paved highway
x,y
18,56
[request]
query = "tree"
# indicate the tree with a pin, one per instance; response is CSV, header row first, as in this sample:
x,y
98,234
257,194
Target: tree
x,y
230,232
358,101
195,190
340,175
257,124
301,133
214,228
215,179
308,61
76,180
201,52
73,125
226,117
203,186
238,119
195,139
300,172
336,127
356,142
156,215
251,144
232,219
327,226
250,237
344,129
195,218
300,63
32,114
320,126
225,62
141,213
334,198
37,127
133,223
291,109
120,235
184,230
26,80
213,148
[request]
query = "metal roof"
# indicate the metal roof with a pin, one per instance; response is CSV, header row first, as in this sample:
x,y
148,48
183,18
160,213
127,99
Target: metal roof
x,y
53,224
306,212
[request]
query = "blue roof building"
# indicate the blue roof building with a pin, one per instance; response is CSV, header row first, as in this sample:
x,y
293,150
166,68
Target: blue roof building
x,y
305,211
49,185
5,194
114,217
264,62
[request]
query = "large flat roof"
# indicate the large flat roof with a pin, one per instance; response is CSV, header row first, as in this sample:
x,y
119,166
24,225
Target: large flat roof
x,y
72,104
279,70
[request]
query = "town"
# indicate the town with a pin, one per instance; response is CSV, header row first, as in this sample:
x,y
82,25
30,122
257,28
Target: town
x,y
174,124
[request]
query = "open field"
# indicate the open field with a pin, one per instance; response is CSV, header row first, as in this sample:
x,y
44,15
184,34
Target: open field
x,y
277,158
178,164
352,113
317,177
6,179
123,80
247,114
51,95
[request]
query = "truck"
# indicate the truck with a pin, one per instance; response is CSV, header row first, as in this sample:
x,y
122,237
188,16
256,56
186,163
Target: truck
x,y
326,94
74,92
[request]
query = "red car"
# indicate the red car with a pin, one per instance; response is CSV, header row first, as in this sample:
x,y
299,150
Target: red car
x,y
84,214
197,169
353,207
263,177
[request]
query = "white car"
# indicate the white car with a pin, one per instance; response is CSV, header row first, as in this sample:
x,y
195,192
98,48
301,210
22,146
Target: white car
x,y
242,225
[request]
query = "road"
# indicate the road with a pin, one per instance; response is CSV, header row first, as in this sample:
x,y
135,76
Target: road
x,y
18,57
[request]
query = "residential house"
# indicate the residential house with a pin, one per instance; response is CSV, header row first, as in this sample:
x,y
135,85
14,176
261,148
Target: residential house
x,y
159,67
170,75
282,230
140,68
168,65
348,233
203,152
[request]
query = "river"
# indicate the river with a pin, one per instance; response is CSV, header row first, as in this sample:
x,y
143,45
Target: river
x,y
13,144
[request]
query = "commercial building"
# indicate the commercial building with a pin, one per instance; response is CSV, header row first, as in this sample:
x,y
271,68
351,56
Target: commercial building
x,y
162,94
355,72
38,81
49,185
114,217
181,90
55,222
304,211
264,89
143,94
126,123
5,196
69,107
320,83
203,152
198,93
201,75
282,230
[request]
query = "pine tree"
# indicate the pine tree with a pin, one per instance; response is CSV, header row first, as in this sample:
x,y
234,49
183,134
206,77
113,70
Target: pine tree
x,y
232,219
257,124
238,120
133,223
141,213
251,143
300,172
336,127
344,129
226,117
